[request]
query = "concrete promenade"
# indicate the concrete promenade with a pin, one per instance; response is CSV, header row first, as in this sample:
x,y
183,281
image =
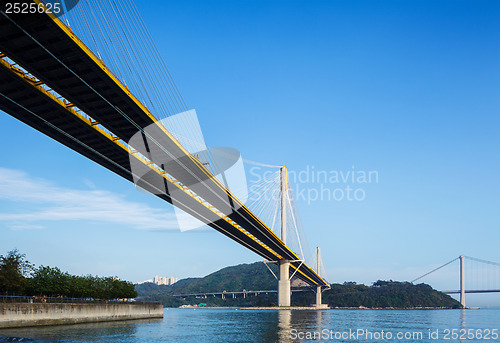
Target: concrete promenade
x,y
35,314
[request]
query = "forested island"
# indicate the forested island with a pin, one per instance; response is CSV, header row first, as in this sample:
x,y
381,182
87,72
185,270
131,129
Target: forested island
x,y
256,276
19,277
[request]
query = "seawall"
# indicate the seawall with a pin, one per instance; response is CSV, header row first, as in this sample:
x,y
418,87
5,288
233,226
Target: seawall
x,y
35,314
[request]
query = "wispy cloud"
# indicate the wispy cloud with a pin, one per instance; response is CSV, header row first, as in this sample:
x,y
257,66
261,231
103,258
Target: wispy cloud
x,y
50,202
89,183
19,227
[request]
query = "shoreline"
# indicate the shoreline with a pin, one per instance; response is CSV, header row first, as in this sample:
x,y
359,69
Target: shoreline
x,y
313,308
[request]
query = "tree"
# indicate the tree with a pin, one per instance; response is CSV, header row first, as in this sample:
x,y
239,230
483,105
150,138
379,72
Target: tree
x,y
49,281
14,270
18,276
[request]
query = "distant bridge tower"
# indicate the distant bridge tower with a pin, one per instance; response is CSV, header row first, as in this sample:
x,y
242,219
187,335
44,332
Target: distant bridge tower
x,y
488,276
284,290
462,280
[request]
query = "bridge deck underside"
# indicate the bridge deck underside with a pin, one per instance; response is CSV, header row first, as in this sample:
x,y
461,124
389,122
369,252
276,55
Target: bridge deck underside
x,y
35,109
45,48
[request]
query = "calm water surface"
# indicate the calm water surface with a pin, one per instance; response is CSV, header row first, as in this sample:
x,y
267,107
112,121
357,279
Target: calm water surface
x,y
230,325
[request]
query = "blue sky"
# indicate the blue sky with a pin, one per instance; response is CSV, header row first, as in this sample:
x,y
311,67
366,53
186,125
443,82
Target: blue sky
x,y
405,88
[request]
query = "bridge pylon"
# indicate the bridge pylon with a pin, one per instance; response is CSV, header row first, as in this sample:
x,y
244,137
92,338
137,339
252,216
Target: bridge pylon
x,y
318,288
284,286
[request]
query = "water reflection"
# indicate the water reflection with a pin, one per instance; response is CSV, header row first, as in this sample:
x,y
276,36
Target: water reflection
x,y
300,321
463,318
89,332
463,323
284,324
319,319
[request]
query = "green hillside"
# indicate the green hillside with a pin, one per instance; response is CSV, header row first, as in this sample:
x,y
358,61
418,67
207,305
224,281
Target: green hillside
x,y
383,294
253,276
256,276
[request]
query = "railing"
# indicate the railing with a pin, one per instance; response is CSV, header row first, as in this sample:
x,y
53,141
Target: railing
x,y
64,300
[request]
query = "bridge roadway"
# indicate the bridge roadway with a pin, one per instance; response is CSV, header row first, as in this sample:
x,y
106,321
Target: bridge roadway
x,y
245,293
255,293
473,291
233,294
53,58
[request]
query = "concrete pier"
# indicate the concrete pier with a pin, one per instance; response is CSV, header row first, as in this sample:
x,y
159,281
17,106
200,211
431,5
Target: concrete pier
x,y
284,290
36,314
318,296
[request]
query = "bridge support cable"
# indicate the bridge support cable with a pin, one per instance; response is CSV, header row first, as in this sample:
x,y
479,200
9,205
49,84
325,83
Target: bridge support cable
x,y
249,218
482,261
141,41
275,213
320,267
266,263
188,209
115,30
291,231
106,96
263,200
434,270
120,31
295,226
298,241
112,152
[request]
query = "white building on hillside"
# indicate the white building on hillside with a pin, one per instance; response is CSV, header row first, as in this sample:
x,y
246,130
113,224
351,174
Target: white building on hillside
x,y
161,280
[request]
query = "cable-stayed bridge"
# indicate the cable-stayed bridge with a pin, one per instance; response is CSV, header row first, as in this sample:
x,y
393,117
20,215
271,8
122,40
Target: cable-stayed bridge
x,y
91,78
476,276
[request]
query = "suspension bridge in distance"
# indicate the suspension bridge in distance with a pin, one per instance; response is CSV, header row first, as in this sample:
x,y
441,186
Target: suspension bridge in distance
x,y
482,276
233,294
52,81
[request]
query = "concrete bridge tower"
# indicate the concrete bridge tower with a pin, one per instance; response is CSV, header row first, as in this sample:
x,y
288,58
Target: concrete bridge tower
x,y
284,290
318,288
